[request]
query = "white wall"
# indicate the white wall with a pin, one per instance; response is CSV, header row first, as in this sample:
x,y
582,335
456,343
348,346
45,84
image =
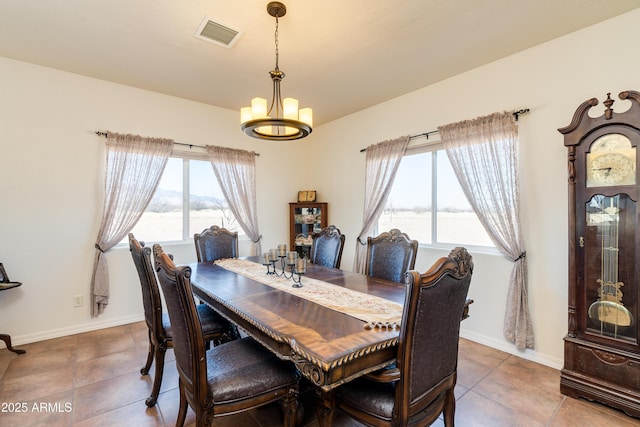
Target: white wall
x,y
552,80
51,172
51,187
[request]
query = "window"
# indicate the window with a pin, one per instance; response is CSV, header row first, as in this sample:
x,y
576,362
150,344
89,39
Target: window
x,y
425,183
188,200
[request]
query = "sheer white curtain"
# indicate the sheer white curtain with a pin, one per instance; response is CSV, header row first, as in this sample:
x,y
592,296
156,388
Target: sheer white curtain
x,y
382,162
483,153
236,173
134,165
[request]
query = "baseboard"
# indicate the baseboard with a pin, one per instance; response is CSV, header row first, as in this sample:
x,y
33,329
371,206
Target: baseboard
x,y
94,325
17,340
528,354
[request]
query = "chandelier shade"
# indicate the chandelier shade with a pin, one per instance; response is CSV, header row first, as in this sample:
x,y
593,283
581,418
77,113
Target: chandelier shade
x,y
282,120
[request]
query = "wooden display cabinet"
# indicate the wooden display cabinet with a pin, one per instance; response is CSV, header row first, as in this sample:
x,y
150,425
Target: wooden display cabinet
x,y
305,220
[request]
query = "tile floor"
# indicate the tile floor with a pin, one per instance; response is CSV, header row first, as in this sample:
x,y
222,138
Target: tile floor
x,y
93,379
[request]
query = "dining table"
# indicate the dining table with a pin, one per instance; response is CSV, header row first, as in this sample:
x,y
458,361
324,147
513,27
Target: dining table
x,y
339,325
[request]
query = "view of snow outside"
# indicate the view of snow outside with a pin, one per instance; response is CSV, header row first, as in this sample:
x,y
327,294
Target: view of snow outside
x,y
163,219
409,207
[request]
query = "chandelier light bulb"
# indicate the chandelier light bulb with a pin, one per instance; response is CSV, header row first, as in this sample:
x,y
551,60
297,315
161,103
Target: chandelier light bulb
x,y
290,108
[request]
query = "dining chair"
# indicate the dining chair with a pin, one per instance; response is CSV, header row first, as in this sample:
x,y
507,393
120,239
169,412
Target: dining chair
x,y
327,246
421,384
390,255
215,328
230,378
215,243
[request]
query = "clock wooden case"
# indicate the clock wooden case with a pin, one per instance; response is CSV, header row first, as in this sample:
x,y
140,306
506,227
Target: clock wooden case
x,y
602,347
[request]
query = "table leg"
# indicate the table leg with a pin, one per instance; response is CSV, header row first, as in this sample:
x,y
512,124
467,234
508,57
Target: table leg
x,y
326,405
7,340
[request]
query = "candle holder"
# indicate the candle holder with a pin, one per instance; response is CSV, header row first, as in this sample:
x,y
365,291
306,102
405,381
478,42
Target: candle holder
x,y
297,266
283,265
270,264
297,283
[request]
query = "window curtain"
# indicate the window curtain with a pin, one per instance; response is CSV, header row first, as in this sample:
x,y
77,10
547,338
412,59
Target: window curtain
x,y
483,154
236,173
134,165
382,162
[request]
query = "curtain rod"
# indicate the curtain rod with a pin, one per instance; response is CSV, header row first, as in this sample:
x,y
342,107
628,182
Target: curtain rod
x,y
100,133
517,114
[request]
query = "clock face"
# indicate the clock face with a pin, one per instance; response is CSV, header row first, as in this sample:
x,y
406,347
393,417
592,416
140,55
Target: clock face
x,y
612,161
610,169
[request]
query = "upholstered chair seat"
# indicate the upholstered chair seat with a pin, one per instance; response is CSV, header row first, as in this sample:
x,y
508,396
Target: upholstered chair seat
x,y
371,397
212,322
248,369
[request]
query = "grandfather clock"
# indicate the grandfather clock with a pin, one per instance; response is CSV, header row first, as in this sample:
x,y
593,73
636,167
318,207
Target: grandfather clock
x,y
602,348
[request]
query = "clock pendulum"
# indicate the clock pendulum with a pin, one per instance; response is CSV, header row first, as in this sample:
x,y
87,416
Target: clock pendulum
x,y
609,311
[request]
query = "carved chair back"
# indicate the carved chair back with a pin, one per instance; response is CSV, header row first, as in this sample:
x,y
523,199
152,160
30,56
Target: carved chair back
x,y
327,247
188,341
390,255
216,243
151,299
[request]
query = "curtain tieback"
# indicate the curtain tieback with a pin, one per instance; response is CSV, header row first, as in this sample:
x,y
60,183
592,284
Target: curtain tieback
x,y
522,255
98,247
360,241
257,240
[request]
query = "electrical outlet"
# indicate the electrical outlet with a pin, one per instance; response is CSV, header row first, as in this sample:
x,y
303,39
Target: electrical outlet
x,y
77,300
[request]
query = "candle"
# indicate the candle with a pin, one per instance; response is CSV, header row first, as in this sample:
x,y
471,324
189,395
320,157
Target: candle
x,y
267,258
273,254
282,249
301,265
291,257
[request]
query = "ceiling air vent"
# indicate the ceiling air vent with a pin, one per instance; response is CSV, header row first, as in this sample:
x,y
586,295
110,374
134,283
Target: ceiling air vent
x,y
217,33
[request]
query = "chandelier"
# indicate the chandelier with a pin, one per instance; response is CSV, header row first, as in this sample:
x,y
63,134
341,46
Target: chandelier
x,y
283,121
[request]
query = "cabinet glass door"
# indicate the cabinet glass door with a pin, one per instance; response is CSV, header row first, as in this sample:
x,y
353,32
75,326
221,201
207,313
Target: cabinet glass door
x,y
610,271
307,222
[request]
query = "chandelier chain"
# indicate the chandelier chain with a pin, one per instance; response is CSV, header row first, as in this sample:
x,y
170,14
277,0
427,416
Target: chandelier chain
x,y
276,43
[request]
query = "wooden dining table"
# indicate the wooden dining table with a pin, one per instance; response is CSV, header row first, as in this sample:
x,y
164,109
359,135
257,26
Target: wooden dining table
x,y
328,347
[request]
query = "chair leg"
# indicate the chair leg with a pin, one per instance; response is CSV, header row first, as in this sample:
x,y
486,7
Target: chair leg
x,y
152,350
449,408
326,407
157,380
233,333
7,340
290,408
182,411
204,418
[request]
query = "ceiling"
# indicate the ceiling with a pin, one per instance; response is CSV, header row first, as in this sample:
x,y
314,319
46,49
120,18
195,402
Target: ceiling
x,y
338,56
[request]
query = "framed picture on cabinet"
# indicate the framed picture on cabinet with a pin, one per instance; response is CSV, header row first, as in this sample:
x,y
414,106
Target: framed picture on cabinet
x,y
306,196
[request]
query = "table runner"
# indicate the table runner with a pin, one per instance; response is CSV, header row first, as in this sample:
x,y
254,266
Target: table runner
x,y
374,310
